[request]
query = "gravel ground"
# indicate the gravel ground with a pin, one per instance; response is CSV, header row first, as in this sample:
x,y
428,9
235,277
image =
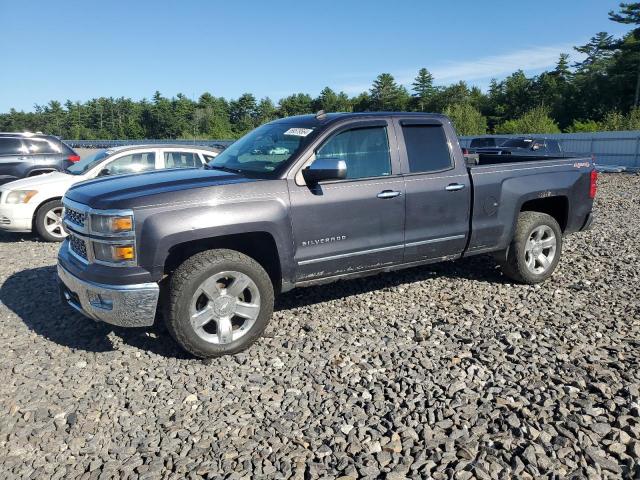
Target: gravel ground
x,y
445,371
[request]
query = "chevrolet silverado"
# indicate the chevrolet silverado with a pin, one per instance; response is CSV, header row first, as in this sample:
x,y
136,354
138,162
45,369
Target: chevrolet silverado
x,y
305,200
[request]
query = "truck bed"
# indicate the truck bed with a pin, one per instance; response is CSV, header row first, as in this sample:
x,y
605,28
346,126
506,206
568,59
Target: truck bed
x,y
505,184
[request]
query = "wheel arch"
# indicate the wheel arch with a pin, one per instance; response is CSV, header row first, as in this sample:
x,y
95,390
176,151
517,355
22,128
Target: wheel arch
x,y
37,209
555,206
259,245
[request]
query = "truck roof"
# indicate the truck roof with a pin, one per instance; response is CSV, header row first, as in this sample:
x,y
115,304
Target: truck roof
x,y
327,118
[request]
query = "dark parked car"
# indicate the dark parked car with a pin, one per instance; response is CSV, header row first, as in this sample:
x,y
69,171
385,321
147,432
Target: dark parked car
x,y
484,142
27,154
355,194
525,146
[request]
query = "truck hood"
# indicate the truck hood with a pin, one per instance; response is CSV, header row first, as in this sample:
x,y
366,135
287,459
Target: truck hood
x,y
40,181
152,188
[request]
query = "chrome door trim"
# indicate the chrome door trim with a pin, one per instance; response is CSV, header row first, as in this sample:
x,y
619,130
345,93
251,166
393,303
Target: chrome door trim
x,y
381,249
352,254
435,240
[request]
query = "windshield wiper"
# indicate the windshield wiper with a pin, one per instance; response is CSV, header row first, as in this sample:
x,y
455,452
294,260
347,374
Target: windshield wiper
x,y
224,169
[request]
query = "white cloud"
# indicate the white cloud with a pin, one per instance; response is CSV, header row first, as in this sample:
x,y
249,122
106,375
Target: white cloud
x,y
480,70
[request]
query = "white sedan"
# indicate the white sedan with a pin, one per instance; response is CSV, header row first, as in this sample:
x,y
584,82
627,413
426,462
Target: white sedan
x,y
34,203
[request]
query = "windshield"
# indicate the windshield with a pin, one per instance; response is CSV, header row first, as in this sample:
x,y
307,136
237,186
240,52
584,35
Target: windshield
x,y
263,150
518,143
86,164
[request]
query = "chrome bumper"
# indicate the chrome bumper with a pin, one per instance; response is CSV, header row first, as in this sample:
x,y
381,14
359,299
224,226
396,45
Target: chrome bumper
x,y
121,305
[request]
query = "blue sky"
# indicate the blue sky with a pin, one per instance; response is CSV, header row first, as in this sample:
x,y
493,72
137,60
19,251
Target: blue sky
x,y
82,49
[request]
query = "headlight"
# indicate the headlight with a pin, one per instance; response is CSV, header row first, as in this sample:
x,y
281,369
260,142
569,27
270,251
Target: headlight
x,y
109,224
20,196
114,253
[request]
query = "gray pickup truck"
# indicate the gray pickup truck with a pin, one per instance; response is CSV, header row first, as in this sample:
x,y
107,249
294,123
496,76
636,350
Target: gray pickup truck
x,y
301,201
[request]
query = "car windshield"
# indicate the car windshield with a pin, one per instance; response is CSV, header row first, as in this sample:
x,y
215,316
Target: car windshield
x,y
86,164
518,143
262,150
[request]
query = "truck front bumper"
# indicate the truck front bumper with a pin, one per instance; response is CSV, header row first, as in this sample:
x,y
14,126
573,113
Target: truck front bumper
x,y
121,305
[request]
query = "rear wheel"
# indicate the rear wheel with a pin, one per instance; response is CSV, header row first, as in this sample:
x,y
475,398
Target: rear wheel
x,y
220,302
535,249
48,222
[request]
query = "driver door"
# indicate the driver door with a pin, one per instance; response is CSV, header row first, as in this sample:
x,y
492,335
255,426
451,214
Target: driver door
x,y
356,224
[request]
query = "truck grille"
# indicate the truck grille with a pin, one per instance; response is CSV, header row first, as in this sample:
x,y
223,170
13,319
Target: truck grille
x,y
74,216
5,221
78,246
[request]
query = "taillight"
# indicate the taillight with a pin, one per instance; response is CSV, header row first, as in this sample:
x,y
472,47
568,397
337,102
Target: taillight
x,y
593,184
465,151
73,158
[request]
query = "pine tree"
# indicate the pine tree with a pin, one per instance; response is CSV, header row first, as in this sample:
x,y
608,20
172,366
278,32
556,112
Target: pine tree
x,y
598,50
423,89
387,95
630,15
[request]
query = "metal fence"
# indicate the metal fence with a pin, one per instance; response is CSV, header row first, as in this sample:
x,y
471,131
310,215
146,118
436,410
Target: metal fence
x,y
146,141
611,149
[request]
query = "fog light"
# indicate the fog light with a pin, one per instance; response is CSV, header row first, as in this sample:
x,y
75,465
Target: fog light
x,y
123,253
116,254
100,300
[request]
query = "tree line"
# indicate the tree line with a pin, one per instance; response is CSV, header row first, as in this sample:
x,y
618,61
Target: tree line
x,y
598,93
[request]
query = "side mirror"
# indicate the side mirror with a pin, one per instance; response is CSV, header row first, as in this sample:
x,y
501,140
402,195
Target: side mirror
x,y
325,169
104,172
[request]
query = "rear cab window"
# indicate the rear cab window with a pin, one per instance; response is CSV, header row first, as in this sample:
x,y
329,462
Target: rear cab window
x,y
427,148
482,142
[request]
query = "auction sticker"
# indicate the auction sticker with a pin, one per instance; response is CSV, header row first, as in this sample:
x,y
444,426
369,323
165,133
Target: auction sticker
x,y
299,132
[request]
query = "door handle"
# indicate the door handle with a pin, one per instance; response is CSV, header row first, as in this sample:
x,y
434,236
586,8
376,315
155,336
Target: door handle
x,y
454,187
389,194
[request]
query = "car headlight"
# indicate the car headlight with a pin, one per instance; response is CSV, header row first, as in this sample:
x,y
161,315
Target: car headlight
x,y
110,224
114,253
20,196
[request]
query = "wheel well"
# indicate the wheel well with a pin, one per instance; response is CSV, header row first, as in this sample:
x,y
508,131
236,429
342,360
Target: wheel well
x,y
557,207
258,245
35,212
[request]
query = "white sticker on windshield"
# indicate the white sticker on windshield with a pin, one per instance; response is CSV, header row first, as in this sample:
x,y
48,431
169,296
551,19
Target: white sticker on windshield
x,y
299,132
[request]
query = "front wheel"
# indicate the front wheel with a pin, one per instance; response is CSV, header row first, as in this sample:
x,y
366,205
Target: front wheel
x,y
220,302
48,222
535,250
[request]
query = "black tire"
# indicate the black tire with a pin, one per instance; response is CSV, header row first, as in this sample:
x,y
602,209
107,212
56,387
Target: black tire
x,y
189,276
515,267
41,221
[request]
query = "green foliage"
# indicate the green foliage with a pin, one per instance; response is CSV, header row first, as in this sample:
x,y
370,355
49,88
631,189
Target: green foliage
x,y
424,91
387,95
536,120
466,119
584,126
616,121
330,101
297,104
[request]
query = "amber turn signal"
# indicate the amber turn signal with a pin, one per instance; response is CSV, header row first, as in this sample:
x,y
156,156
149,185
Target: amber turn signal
x,y
121,224
123,252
